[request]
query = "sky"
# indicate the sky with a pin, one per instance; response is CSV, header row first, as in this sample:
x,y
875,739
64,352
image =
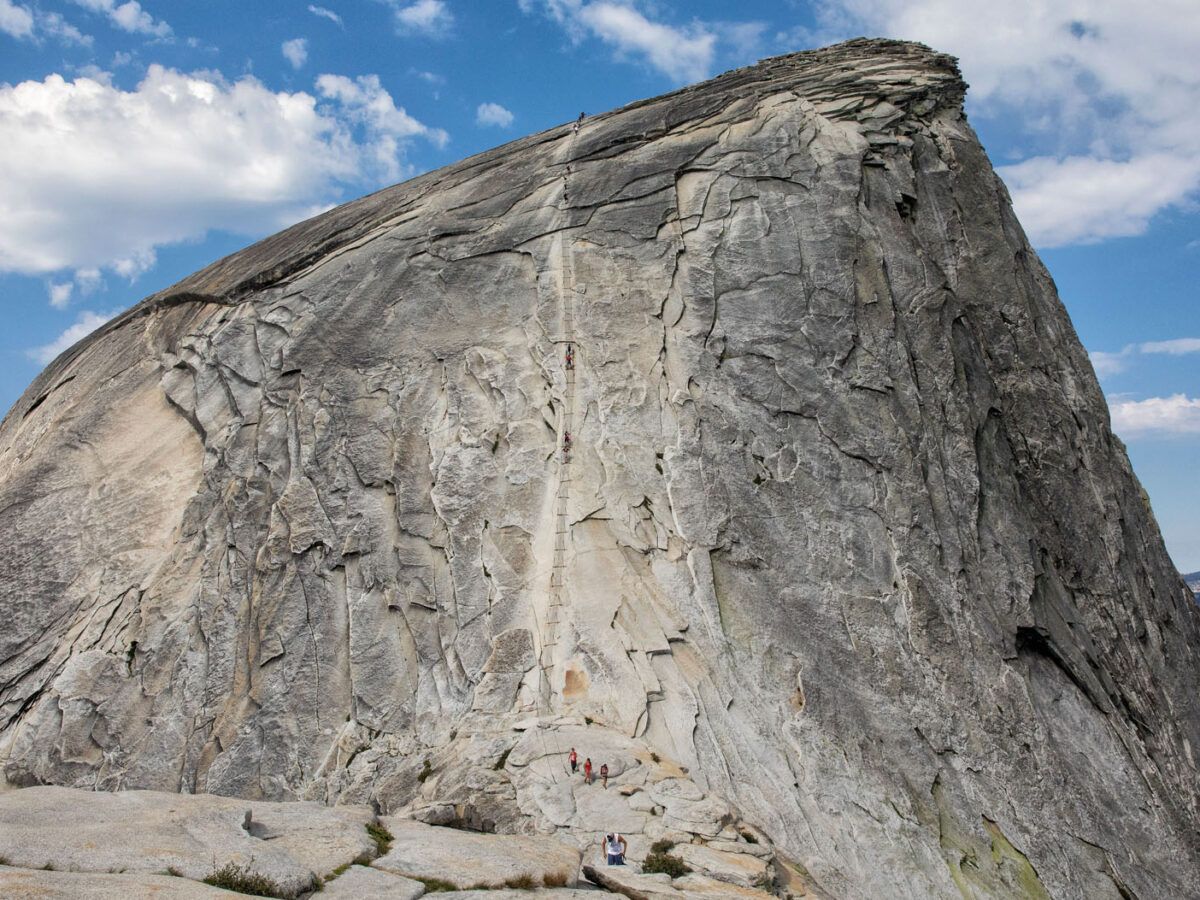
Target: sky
x,y
141,140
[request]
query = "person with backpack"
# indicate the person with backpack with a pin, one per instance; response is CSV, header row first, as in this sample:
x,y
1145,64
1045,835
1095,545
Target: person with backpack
x,y
604,775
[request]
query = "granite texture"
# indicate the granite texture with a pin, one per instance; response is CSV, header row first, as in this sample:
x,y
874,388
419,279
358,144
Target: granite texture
x,y
842,535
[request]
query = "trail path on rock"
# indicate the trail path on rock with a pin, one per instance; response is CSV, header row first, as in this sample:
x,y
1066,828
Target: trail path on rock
x,y
564,342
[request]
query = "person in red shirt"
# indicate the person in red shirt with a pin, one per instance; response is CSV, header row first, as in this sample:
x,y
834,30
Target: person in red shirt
x,y
587,771
573,759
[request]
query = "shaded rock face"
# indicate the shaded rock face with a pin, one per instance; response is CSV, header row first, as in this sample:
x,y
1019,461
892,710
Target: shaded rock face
x,y
841,527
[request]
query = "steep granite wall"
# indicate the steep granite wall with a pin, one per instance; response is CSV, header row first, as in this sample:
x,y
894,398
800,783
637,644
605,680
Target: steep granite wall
x,y
841,530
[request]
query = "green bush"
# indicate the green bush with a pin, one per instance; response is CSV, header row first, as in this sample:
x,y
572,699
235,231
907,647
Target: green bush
x,y
663,846
502,760
668,865
242,880
426,771
381,836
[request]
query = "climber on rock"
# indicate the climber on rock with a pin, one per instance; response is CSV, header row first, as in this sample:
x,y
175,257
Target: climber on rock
x,y
604,775
614,849
587,771
573,759
570,357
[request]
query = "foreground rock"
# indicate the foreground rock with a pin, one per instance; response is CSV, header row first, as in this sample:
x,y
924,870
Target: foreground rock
x,y
467,859
842,539
362,882
293,844
638,886
24,884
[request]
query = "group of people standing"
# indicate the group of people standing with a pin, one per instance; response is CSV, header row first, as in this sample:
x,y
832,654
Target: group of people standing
x,y
589,773
614,844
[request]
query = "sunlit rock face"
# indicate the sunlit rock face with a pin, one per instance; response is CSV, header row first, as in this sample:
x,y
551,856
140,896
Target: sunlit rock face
x,y
841,532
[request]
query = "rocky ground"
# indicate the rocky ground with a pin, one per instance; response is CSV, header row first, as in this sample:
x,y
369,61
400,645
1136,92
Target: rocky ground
x,y
63,842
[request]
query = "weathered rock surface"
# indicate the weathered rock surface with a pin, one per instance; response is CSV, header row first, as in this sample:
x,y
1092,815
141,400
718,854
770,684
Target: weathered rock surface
x,y
843,529
26,884
637,886
422,851
367,883
293,844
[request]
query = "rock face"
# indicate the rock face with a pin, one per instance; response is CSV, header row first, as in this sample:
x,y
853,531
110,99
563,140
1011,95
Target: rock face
x,y
150,832
840,528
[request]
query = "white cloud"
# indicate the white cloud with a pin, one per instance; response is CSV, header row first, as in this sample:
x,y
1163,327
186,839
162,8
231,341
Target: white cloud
x,y
324,13
94,177
60,293
493,114
295,51
1109,363
1155,416
56,26
84,325
1083,199
428,17
15,21
128,16
1174,347
682,54
365,101
1104,81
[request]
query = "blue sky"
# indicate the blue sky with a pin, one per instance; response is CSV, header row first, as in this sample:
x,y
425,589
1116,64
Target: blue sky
x,y
142,140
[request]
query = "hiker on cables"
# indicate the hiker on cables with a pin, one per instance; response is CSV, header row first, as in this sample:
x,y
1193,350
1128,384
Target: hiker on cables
x,y
570,357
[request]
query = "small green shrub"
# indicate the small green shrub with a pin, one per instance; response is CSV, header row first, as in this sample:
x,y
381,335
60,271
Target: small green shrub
x,y
436,885
668,865
663,846
339,871
483,886
426,771
242,880
502,760
555,879
381,836
654,756
520,883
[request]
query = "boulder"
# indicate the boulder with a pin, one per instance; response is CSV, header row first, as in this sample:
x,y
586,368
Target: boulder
x,y
37,884
467,858
367,883
149,831
634,885
734,868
